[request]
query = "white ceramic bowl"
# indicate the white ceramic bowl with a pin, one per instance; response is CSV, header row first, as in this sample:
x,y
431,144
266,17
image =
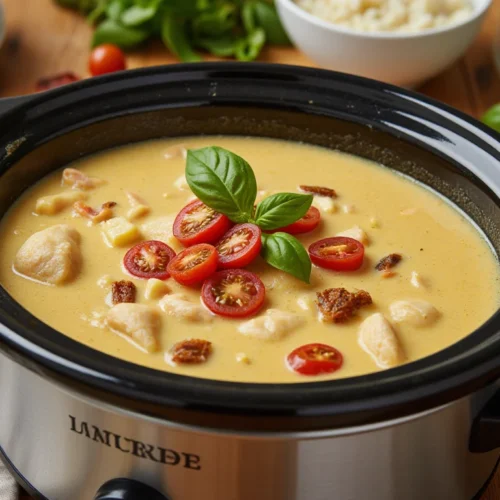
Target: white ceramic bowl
x,y
405,59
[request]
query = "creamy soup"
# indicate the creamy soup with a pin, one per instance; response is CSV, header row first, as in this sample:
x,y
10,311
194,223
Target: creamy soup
x,y
437,283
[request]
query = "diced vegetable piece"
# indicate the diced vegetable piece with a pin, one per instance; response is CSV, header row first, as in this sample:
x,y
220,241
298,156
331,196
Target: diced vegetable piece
x,y
119,232
155,289
53,204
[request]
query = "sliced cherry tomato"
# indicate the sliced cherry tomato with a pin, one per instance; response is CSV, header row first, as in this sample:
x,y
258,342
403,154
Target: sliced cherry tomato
x,y
197,223
55,81
106,58
338,253
194,264
309,222
149,259
239,246
314,359
234,293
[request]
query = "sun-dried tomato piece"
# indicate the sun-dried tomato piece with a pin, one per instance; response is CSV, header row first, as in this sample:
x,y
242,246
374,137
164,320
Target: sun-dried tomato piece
x,y
123,291
319,190
56,81
191,351
338,305
104,212
388,262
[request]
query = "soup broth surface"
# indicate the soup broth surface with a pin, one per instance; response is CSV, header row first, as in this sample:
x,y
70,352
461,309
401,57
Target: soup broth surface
x,y
445,260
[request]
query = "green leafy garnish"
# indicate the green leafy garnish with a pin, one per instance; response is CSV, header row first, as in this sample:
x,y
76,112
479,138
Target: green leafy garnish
x,y
285,252
237,28
226,183
492,117
281,209
222,180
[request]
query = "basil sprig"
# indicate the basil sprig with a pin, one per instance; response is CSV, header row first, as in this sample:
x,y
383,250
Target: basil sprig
x,y
226,182
281,209
286,253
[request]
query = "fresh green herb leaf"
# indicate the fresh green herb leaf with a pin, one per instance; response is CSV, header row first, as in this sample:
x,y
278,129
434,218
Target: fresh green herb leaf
x,y
284,252
137,15
248,16
96,14
281,209
111,32
114,9
174,36
249,48
221,47
215,23
492,117
267,18
222,180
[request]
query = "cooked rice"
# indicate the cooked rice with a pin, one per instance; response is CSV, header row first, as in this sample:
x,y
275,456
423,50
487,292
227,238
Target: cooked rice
x,y
389,15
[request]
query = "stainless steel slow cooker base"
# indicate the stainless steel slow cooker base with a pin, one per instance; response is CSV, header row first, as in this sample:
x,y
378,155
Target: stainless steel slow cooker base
x,y
67,446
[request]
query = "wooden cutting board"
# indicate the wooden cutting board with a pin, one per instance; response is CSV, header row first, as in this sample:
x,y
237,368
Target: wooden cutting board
x,y
43,39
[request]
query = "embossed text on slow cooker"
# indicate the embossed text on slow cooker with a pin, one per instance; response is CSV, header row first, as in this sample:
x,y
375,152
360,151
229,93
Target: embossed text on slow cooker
x,y
137,448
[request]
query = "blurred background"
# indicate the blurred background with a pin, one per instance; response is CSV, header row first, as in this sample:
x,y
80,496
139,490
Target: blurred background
x,y
42,39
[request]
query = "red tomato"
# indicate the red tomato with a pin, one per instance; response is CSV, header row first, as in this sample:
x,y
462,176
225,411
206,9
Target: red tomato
x,y
56,81
149,259
197,223
234,293
194,264
309,222
314,359
239,246
338,253
106,58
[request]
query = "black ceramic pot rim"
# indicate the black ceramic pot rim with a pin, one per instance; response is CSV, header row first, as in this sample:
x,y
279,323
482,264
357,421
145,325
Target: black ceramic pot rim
x,y
448,375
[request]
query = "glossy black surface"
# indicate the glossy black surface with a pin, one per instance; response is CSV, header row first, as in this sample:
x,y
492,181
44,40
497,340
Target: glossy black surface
x,y
127,489
435,144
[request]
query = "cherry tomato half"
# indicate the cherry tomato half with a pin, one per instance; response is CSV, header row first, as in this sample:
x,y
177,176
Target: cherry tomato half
x,y
106,58
149,259
197,223
239,246
307,223
55,81
314,359
234,293
194,264
338,253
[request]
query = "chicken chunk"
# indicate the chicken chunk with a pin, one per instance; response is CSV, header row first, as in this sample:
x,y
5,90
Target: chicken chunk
x,y
273,325
138,206
178,305
138,322
51,256
414,312
326,205
53,204
78,180
356,233
377,337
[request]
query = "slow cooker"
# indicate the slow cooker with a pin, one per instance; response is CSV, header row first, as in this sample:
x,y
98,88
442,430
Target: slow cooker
x,y
76,424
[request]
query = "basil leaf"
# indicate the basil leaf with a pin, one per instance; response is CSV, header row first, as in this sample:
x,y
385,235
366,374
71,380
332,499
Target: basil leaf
x,y
281,209
248,16
222,180
110,31
492,117
216,23
98,12
137,14
284,252
114,9
267,18
221,47
249,48
173,34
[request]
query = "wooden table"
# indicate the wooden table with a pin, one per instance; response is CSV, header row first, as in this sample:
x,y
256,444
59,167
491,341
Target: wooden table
x,y
43,39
